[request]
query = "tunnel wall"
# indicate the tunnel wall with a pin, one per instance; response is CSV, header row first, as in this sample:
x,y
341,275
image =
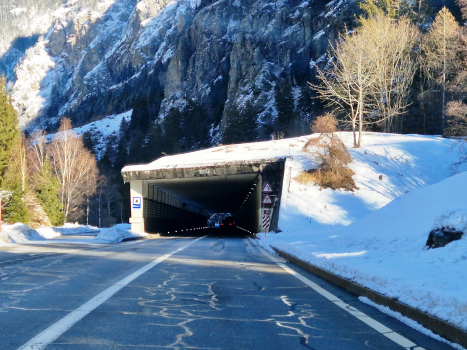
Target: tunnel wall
x,y
247,216
252,215
163,218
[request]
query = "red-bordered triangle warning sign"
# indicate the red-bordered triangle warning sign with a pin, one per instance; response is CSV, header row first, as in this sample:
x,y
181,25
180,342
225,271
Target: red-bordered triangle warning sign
x,y
267,199
267,188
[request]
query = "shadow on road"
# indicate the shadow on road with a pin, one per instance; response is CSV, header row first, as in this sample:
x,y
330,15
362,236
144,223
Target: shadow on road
x,y
212,232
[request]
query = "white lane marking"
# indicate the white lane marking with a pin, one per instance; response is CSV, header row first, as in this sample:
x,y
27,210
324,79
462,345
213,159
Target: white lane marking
x,y
53,332
380,328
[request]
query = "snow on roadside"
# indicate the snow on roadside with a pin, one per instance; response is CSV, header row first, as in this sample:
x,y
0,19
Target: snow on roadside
x,y
74,229
409,322
20,233
385,251
117,234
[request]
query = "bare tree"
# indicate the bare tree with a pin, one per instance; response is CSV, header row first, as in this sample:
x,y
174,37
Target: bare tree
x,y
349,80
439,53
392,43
74,165
37,151
370,72
456,111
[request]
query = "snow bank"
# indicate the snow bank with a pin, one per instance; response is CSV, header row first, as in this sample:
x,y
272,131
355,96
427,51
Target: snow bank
x,y
20,233
455,220
117,234
76,229
385,251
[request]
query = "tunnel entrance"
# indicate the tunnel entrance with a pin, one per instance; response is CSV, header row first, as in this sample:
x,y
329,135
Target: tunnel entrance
x,y
182,198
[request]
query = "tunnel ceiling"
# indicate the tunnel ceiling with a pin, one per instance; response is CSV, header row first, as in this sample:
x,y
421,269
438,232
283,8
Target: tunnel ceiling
x,y
217,194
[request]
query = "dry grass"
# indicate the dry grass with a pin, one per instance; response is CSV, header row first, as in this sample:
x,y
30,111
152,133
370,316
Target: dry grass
x,y
328,179
333,171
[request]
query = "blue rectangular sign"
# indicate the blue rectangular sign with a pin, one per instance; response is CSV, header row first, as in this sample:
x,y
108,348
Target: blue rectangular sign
x,y
136,202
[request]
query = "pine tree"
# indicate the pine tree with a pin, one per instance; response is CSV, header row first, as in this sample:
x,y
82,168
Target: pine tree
x,y
152,146
172,131
9,131
194,127
248,119
305,104
47,189
285,106
88,142
233,126
12,169
14,206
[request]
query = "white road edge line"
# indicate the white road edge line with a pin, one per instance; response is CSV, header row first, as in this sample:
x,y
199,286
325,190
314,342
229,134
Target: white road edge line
x,y
380,328
46,337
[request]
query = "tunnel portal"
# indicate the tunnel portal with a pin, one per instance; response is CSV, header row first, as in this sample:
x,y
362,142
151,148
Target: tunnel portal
x,y
165,199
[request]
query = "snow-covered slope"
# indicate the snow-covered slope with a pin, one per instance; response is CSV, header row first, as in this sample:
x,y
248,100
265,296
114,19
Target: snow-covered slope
x,y
388,223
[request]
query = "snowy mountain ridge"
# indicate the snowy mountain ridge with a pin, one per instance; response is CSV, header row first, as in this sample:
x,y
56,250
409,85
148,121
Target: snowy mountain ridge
x,y
90,59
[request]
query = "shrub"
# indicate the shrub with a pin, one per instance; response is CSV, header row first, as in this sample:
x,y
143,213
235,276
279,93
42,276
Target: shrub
x,y
333,157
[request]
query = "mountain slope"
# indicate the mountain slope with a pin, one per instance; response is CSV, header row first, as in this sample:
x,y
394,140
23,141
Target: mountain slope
x,y
98,58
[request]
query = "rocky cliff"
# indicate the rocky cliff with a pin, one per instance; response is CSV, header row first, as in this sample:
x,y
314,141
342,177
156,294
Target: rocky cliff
x,y
87,60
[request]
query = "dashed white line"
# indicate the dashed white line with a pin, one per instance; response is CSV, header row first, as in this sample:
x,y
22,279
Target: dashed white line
x,y
380,328
57,329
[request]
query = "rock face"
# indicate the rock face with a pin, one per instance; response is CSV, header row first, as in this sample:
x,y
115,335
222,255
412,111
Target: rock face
x,y
104,57
441,237
447,227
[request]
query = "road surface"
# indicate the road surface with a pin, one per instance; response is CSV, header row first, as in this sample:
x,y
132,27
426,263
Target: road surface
x,y
204,292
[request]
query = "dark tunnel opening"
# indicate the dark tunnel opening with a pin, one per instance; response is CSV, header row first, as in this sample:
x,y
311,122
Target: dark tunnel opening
x,y
181,201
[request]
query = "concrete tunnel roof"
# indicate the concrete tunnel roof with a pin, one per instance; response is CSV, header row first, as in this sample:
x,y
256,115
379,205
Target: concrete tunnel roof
x,y
216,188
217,179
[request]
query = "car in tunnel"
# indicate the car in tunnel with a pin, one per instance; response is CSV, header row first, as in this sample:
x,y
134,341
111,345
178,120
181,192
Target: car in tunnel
x,y
228,223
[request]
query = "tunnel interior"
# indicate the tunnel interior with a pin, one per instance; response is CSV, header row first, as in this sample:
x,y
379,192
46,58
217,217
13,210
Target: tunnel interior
x,y
184,199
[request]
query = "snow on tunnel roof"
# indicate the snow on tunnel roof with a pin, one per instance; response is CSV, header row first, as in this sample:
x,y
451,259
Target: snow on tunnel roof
x,y
225,154
267,151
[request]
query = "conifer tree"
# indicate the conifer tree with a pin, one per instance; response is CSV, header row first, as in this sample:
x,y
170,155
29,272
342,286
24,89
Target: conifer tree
x,y
248,119
285,106
152,146
12,168
172,131
47,188
233,125
241,126
88,142
9,131
304,104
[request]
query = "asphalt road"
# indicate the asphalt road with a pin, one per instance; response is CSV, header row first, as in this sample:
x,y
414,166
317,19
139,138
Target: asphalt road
x,y
215,292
